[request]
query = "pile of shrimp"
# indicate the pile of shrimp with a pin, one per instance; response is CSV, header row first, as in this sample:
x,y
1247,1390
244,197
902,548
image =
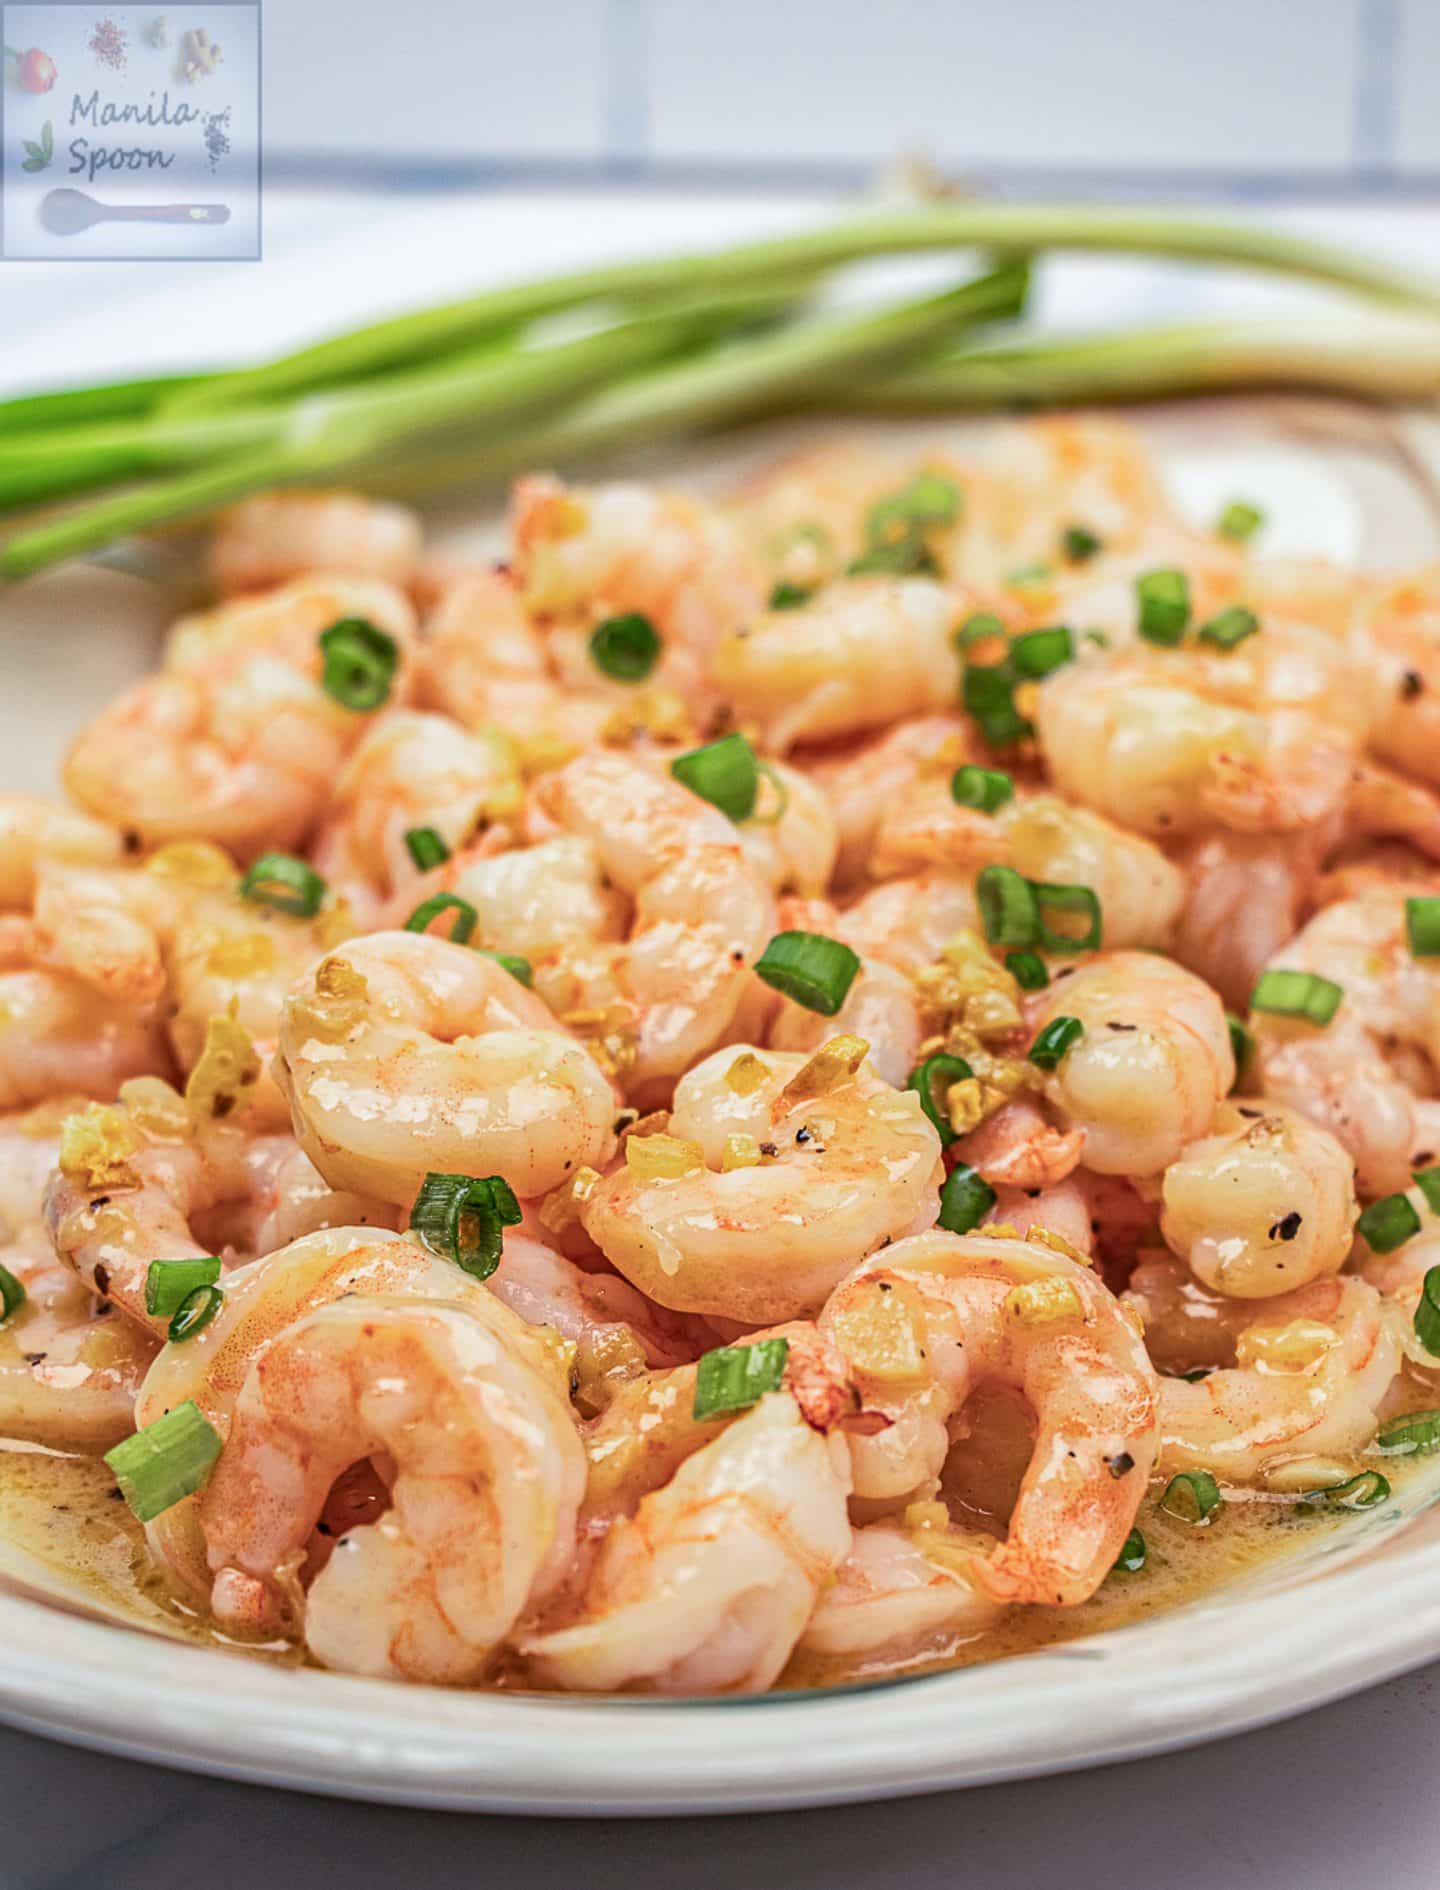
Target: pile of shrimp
x,y
681,1387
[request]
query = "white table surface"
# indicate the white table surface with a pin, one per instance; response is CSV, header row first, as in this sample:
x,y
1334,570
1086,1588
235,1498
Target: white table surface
x,y
1338,1800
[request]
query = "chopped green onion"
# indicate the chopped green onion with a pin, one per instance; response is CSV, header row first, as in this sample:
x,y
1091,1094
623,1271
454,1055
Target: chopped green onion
x,y
194,1313
1164,598
519,968
1297,994
790,596
906,555
1039,652
360,664
987,692
460,1217
1427,1313
733,1377
1239,521
1008,911
929,499
1133,1552
1364,1491
1414,1435
809,969
1097,637
287,884
1028,970
625,649
965,1200
1067,899
466,917
1080,544
1054,1040
1229,628
12,1294
168,1283
1422,927
1193,1496
982,788
723,773
1388,1224
1242,1045
167,1461
1427,1180
978,629
426,848
938,1072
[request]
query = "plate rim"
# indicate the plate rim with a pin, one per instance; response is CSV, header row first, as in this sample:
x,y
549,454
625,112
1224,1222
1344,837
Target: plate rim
x,y
107,1687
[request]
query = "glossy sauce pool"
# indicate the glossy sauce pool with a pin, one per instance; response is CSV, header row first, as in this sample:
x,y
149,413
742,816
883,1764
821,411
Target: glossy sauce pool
x,y
65,1512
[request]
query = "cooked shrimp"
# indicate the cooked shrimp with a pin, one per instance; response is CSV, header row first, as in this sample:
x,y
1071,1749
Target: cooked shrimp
x,y
405,1055
411,770
898,1588
486,662
1154,1060
880,1006
1163,759
1018,1148
278,536
614,1328
235,740
60,1036
70,1367
1395,640
487,1477
34,832
866,651
605,550
709,1586
1313,1369
133,1182
1360,1075
178,930
862,781
791,841
931,1319
1245,897
1263,1204
701,917
909,922
835,1163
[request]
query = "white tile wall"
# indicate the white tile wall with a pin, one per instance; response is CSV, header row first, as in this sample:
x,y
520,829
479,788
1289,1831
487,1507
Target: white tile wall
x,y
1417,86
1317,89
437,77
1231,84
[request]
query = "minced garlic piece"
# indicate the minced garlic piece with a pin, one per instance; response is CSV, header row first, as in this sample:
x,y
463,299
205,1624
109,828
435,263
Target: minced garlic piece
x,y
227,1070
937,1538
561,1207
998,1230
196,862
96,1146
740,1151
965,1105
542,753
747,1073
1041,1302
241,955
833,1063
880,1331
157,1108
338,1006
336,925
662,1157
606,1358
1057,1243
1296,1347
660,713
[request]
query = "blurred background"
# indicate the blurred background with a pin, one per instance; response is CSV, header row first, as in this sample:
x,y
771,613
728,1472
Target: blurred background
x,y
1230,98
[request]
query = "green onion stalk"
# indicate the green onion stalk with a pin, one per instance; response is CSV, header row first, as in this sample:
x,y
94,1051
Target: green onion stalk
x,y
1025,228
327,435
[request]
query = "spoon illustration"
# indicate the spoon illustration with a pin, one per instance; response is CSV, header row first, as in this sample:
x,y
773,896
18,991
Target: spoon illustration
x,y
68,212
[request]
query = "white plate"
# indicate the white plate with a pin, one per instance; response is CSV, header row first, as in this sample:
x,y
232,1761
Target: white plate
x,y
1362,1604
